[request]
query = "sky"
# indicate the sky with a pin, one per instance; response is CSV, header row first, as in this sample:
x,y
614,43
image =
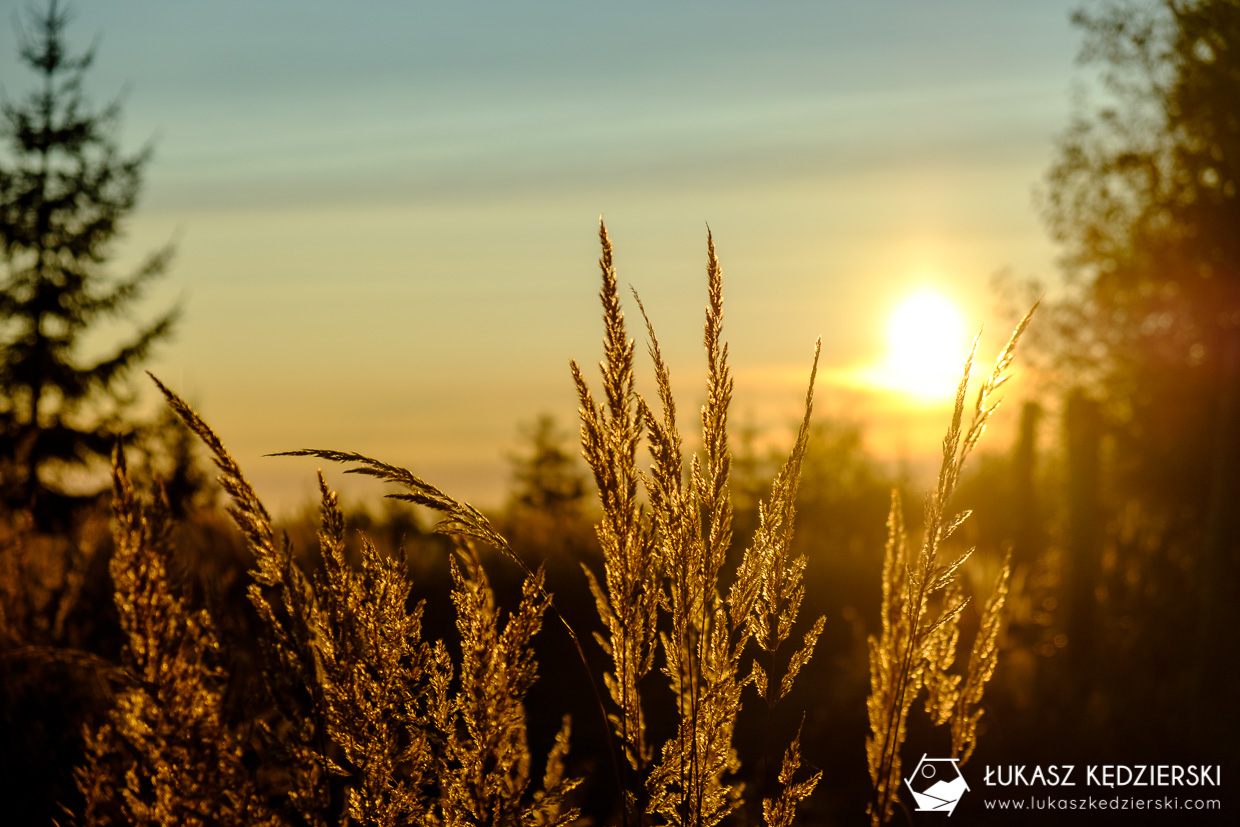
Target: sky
x,y
386,212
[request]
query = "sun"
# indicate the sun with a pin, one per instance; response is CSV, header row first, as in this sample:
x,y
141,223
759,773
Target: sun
x,y
926,347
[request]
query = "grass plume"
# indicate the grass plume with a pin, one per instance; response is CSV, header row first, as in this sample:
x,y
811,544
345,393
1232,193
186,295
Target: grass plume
x,y
366,721
164,754
672,558
917,646
628,598
361,695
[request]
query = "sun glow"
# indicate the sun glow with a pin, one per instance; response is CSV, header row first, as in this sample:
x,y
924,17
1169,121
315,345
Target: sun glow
x,y
926,348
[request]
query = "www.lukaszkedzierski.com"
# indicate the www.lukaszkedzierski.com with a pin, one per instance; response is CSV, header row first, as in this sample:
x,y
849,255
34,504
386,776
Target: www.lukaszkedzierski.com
x,y
1096,804
938,785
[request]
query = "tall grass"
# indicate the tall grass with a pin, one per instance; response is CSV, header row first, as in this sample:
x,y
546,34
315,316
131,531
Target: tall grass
x,y
916,648
369,722
670,557
164,754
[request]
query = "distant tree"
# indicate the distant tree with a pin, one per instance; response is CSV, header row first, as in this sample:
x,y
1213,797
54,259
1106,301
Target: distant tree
x,y
546,517
547,477
65,188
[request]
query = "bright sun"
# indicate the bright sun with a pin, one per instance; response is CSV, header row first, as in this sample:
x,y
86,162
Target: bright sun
x,y
926,347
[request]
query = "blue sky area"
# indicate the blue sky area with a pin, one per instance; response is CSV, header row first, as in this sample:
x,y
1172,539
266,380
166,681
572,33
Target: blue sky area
x,y
386,212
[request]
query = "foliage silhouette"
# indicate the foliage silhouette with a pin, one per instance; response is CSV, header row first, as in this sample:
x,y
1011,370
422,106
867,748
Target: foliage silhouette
x,y
1143,196
65,190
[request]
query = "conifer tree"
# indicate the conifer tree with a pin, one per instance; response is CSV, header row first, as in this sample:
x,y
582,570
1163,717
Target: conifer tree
x,y
65,189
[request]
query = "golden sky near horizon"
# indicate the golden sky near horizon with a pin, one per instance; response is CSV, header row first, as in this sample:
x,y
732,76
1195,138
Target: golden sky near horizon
x,y
386,213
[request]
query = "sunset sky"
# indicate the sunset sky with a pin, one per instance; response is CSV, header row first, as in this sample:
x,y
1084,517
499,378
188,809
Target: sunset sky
x,y
386,212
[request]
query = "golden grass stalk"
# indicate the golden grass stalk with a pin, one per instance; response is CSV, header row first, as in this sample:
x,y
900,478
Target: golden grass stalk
x,y
694,528
290,635
672,557
771,603
487,769
482,778
916,647
164,754
374,678
358,692
627,598
781,810
983,659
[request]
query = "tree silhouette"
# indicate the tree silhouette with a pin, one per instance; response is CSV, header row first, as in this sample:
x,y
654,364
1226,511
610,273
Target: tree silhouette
x,y
65,188
547,478
1144,196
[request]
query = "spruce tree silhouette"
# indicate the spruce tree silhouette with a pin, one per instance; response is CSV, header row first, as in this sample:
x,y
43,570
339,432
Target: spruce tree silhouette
x,y
65,189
